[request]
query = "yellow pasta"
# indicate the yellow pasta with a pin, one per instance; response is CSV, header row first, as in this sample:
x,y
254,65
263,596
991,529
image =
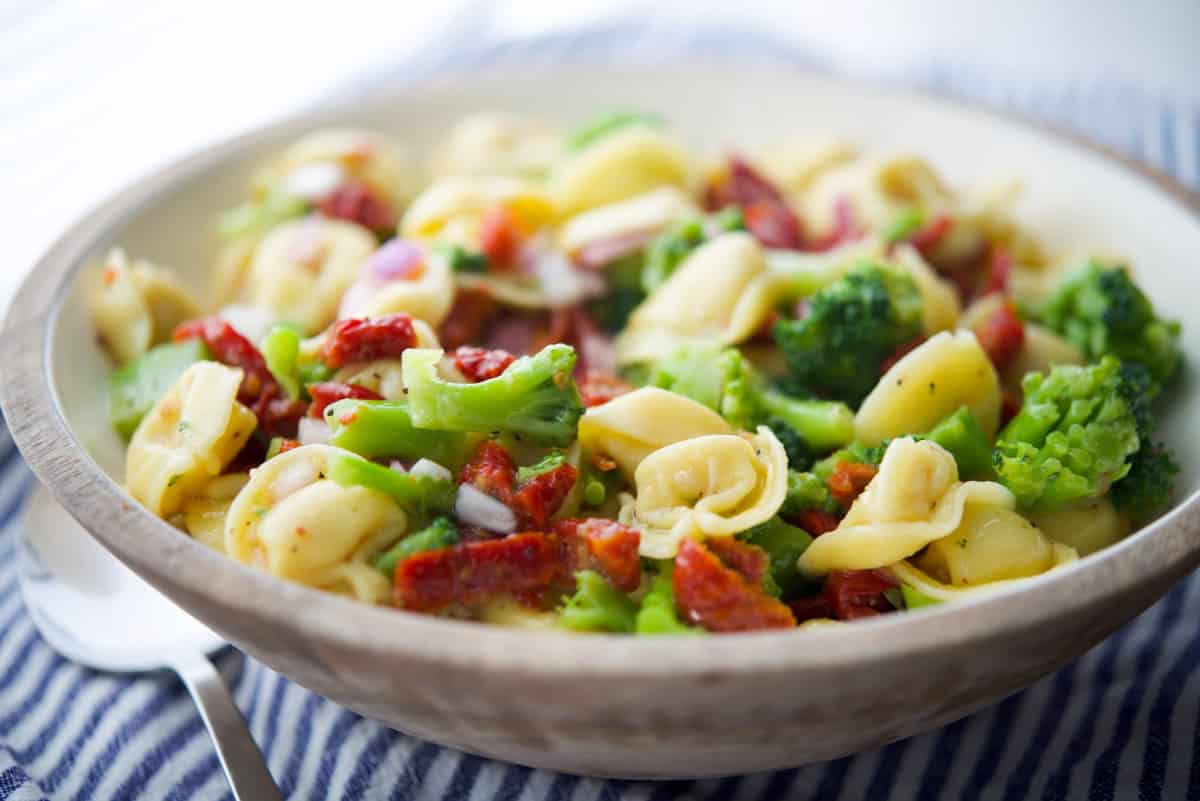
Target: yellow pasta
x,y
135,306
991,543
647,213
204,515
427,297
709,486
1087,527
451,209
499,144
619,166
189,436
946,372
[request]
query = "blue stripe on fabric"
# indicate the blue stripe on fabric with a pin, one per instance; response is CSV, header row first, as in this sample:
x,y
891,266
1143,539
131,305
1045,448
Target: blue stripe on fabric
x,y
36,695
368,763
668,791
726,789
63,767
57,718
300,740
414,772
833,778
941,762
1162,712
1061,687
885,772
152,763
196,777
1193,788
1104,772
331,745
276,708
779,784
1002,717
21,660
464,776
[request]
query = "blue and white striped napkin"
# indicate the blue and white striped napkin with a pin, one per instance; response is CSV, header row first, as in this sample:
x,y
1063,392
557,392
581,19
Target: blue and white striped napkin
x,y
1121,722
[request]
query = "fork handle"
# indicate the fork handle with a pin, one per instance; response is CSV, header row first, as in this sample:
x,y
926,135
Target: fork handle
x,y
243,762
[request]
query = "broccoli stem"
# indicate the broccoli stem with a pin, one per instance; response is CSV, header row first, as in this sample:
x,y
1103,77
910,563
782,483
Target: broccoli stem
x,y
377,429
822,424
598,606
441,533
534,398
280,350
422,496
961,435
784,543
658,614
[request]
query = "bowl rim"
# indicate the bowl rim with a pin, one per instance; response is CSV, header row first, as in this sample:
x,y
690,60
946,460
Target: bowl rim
x,y
30,402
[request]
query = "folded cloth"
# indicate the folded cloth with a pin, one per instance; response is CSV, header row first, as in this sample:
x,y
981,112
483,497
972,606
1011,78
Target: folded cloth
x,y
1120,722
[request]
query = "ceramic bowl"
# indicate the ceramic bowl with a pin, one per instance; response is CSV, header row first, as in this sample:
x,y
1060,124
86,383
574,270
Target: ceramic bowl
x,y
605,705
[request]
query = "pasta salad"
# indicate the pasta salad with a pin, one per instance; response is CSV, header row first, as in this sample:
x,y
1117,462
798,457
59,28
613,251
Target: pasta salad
x,y
592,380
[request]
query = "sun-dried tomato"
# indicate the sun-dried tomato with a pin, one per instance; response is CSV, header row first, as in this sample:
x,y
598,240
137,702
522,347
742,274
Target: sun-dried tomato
x,y
900,352
355,202
480,364
1001,334
536,500
853,594
774,225
598,388
472,572
286,445
278,413
1000,266
470,315
719,598
327,392
229,347
492,471
596,543
848,480
500,237
362,340
748,561
930,235
748,186
811,607
817,521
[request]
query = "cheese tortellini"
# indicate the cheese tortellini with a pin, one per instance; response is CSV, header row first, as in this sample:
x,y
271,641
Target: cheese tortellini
x,y
204,515
631,427
452,209
645,214
946,372
619,166
710,486
877,189
135,306
189,436
301,269
291,521
428,296
499,144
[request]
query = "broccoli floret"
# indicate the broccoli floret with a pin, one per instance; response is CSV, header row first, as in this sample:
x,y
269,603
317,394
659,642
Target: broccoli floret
x,y
657,614
743,396
598,606
1146,490
961,435
855,453
668,250
534,398
441,533
852,326
784,543
1102,311
1071,439
806,491
623,279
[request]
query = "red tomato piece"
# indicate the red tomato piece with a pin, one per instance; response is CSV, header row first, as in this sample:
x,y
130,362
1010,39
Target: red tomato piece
x,y
812,607
278,414
1001,334
853,594
327,392
719,598
1000,267
1010,404
748,561
748,186
774,225
473,311
500,237
928,236
355,202
848,480
474,571
361,340
817,521
604,545
536,501
480,364
491,470
900,353
229,347
845,228
598,388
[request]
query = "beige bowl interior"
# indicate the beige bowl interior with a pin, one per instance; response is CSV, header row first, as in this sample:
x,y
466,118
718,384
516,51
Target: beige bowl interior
x,y
598,704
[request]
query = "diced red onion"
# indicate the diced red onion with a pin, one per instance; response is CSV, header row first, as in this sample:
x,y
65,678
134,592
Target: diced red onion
x,y
428,467
476,508
314,181
398,466
313,431
395,260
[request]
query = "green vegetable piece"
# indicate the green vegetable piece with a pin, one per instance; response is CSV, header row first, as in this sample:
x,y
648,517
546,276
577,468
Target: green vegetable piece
x,y
728,219
273,448
550,461
667,250
280,350
441,533
854,452
598,606
784,543
1146,490
384,428
852,326
535,398
599,127
961,435
907,222
658,614
464,260
313,372
423,496
1102,311
623,279
915,599
594,492
806,491
1072,437
253,218
134,388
